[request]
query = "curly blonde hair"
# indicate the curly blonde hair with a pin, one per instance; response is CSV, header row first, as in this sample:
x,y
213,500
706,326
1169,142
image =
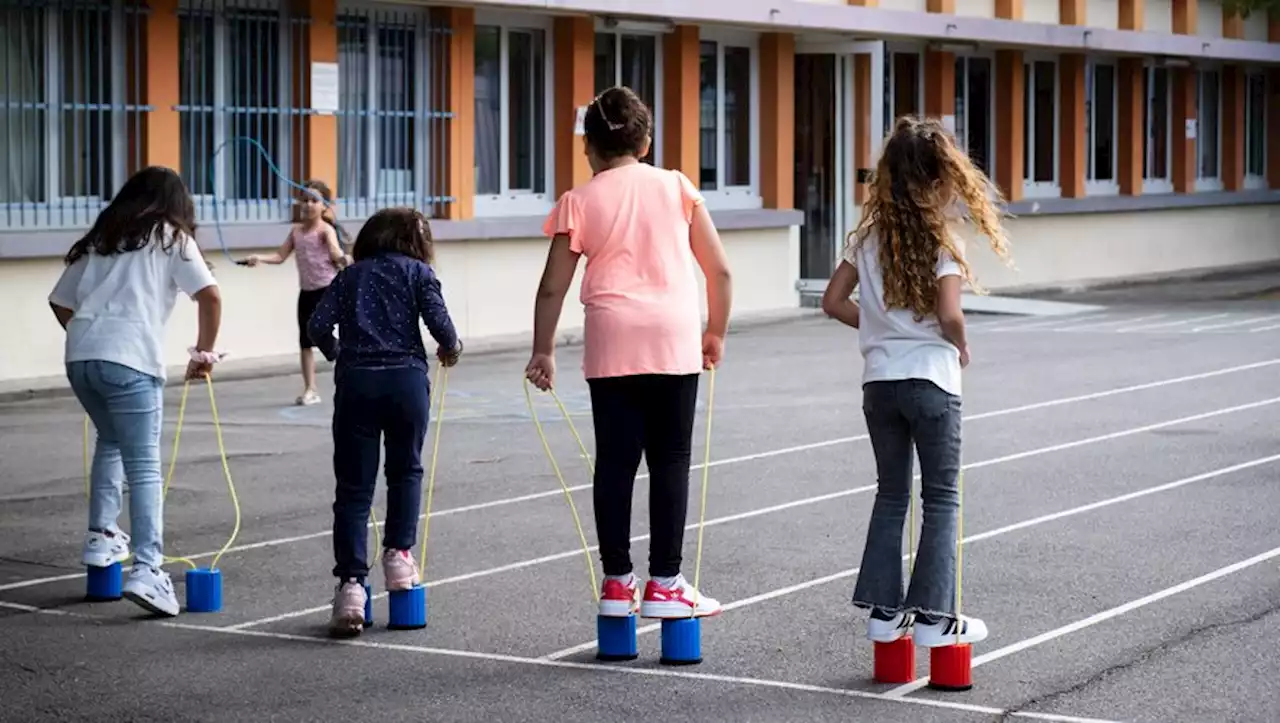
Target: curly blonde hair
x,y
920,178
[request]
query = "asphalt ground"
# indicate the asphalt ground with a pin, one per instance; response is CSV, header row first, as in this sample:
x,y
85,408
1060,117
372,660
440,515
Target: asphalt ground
x,y
1120,496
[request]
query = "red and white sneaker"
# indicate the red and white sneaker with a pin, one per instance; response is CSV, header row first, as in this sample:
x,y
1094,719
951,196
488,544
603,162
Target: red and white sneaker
x,y
618,599
676,601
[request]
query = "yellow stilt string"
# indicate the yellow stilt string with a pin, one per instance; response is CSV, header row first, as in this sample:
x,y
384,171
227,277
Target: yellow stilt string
x,y
442,382
226,471
706,471
568,496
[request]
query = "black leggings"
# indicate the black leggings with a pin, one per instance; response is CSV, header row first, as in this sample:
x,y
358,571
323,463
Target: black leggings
x,y
650,414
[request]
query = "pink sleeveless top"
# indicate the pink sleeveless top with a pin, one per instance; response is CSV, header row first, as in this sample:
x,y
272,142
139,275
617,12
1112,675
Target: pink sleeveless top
x,y
315,266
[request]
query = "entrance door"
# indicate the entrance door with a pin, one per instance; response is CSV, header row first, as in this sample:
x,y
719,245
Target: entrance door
x,y
825,145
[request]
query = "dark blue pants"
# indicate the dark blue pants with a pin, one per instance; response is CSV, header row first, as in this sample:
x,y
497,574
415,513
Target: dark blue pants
x,y
374,407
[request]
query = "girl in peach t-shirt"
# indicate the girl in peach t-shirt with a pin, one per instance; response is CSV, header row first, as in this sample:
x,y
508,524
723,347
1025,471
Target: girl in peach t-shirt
x,y
643,231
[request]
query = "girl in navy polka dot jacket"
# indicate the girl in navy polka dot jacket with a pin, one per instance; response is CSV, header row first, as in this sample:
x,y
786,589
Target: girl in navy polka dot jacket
x,y
382,388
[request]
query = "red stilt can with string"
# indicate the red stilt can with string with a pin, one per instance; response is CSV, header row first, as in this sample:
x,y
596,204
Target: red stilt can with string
x,y
951,667
895,662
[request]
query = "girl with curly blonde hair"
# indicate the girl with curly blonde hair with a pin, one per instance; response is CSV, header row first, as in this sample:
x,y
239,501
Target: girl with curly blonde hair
x,y
908,266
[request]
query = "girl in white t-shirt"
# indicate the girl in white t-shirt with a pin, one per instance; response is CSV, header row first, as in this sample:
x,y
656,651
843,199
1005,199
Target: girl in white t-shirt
x,y
114,299
908,267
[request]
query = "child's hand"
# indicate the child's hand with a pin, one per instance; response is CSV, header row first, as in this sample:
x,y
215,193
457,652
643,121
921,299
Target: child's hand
x,y
449,358
964,357
252,260
712,350
541,371
197,370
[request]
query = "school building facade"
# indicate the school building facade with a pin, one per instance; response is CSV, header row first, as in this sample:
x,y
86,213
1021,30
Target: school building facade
x,y
1132,137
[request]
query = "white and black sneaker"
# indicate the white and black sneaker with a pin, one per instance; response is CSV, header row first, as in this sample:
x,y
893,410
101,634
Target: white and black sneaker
x,y
152,590
889,631
104,549
948,631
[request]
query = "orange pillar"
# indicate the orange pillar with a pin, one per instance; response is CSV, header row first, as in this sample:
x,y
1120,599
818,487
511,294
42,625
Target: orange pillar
x,y
321,152
680,130
162,145
1183,92
947,7
939,83
1131,15
777,119
1273,128
1186,15
1233,127
862,130
865,3
1071,12
1072,141
575,87
1009,9
461,102
1132,106
1011,87
1232,24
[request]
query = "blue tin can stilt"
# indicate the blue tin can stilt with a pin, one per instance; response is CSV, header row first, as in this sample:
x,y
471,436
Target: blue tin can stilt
x,y
681,641
204,591
408,608
104,584
616,638
368,605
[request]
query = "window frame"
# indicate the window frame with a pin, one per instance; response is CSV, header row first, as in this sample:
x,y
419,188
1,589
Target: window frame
x,y
52,100
1254,181
509,202
889,115
1030,187
734,197
1164,184
659,70
1104,187
992,145
1214,183
415,17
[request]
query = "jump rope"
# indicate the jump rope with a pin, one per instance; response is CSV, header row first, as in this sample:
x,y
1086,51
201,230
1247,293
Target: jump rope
x,y
568,495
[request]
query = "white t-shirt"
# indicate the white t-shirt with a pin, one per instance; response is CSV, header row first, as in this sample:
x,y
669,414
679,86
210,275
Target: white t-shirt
x,y
123,301
894,345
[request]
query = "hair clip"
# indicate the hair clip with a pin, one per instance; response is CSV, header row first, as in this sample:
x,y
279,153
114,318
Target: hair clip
x,y
612,126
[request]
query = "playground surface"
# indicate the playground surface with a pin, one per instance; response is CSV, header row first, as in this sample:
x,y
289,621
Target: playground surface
x,y
1120,495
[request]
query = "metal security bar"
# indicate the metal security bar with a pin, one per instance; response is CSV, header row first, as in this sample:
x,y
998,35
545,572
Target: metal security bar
x,y
71,86
242,65
392,117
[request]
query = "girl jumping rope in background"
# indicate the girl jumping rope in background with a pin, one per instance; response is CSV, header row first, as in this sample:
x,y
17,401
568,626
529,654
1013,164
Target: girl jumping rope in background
x,y
114,299
908,267
381,390
319,258
642,230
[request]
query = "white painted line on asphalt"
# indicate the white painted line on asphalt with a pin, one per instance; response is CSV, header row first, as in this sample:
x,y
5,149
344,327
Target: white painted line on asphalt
x,y
1255,320
1113,322
1116,391
781,592
788,505
1167,324
1272,327
1096,618
1041,322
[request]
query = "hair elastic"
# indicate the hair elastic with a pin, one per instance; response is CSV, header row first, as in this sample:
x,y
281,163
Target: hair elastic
x,y
612,126
206,357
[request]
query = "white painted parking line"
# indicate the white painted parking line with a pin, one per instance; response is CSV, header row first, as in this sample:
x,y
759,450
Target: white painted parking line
x,y
970,539
1099,617
1230,324
1037,323
1167,324
1113,322
1047,404
1272,327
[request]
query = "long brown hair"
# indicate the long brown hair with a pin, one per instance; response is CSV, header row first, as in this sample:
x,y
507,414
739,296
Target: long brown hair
x,y
136,217
395,230
918,181
329,216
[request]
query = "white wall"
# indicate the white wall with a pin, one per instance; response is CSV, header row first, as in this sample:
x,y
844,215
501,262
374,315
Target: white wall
x,y
1041,11
1103,14
1255,27
1209,19
488,285
976,8
1158,16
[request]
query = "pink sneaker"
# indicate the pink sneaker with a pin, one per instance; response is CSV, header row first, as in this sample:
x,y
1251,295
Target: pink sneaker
x,y
619,599
399,569
348,610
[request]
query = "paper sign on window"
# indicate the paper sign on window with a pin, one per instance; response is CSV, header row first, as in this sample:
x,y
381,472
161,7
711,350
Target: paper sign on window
x,y
579,125
324,88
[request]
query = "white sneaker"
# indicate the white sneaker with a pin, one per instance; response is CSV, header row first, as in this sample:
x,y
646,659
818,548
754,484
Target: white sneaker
x,y
105,549
676,601
152,590
943,633
308,398
889,631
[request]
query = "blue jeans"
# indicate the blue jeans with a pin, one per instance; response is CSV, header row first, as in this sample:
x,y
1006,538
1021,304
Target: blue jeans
x,y
127,408
901,414
370,407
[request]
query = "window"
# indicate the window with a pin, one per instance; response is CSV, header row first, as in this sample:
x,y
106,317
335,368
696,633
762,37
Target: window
x,y
234,101
1155,146
634,61
66,95
1040,137
974,110
512,133
904,93
727,119
1100,127
388,140
1255,130
1208,141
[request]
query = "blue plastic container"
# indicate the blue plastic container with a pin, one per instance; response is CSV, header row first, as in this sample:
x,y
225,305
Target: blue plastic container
x,y
616,638
204,591
368,605
408,608
681,641
104,584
